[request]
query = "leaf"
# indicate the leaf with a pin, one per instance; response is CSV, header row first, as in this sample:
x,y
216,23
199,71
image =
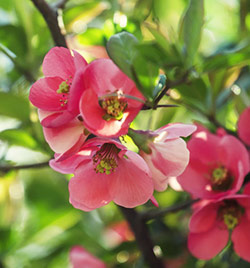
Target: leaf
x,y
121,49
192,28
142,9
14,106
18,137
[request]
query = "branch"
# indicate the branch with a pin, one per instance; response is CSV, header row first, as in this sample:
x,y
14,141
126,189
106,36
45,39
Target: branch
x,y
152,214
145,107
142,236
170,84
50,17
37,165
61,4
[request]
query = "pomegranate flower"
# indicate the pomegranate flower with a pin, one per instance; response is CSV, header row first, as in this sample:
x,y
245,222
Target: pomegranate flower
x,y
217,166
104,171
164,151
80,258
211,225
243,126
58,93
110,100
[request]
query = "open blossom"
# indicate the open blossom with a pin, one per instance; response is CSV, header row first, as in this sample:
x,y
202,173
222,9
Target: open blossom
x,y
105,106
81,258
217,166
58,93
167,154
243,126
211,224
104,171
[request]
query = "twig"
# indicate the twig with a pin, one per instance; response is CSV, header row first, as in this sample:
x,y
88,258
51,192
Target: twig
x,y
145,107
37,165
50,17
152,214
61,4
170,84
142,236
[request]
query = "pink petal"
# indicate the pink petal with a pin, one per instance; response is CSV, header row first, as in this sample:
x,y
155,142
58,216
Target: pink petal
x,y
59,62
133,185
208,244
170,157
232,151
243,126
104,77
241,239
64,137
88,188
204,146
203,219
177,130
80,258
247,189
57,119
44,96
79,61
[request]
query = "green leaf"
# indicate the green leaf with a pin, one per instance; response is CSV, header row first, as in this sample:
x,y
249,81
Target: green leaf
x,y
142,9
14,106
121,48
18,137
192,28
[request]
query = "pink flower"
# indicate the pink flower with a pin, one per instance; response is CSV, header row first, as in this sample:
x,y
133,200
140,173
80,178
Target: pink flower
x,y
104,171
59,92
81,258
211,224
167,154
105,106
243,126
217,166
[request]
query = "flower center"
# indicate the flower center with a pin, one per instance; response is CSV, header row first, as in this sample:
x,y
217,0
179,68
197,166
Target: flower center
x,y
221,179
63,89
230,212
106,159
114,107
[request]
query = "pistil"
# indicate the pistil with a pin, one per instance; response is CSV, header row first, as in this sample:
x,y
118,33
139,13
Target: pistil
x,y
221,179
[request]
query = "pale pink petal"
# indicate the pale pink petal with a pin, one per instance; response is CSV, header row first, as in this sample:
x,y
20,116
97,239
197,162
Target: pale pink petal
x,y
203,219
208,244
170,157
243,126
241,239
133,185
59,62
104,77
44,96
64,137
177,130
88,188
80,258
159,179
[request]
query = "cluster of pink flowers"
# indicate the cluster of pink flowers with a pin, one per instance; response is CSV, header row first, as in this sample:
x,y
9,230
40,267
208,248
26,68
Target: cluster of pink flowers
x,y
84,109
216,171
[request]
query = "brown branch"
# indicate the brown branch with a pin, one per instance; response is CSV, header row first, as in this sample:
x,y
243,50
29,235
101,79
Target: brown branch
x,y
142,236
50,17
61,4
37,165
158,213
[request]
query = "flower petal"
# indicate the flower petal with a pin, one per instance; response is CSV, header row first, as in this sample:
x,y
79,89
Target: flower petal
x,y
203,219
44,96
241,239
133,185
88,188
243,126
208,244
57,119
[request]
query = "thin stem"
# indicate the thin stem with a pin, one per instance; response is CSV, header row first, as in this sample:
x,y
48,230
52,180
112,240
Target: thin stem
x,y
50,17
142,236
158,213
145,107
28,166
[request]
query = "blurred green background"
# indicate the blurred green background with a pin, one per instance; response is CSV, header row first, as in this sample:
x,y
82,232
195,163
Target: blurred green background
x,y
38,226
